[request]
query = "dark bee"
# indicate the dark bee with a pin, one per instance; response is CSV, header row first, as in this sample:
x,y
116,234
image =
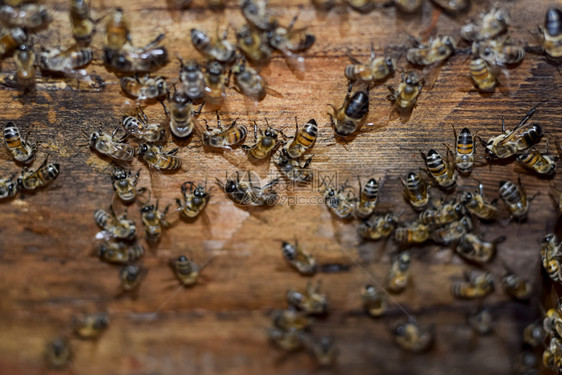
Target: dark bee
x,y
375,71
476,204
341,202
257,14
452,6
192,80
478,285
299,259
131,277
8,187
182,115
415,191
30,16
490,25
437,50
116,226
112,146
90,326
153,221
265,144
442,172
117,33
399,273
248,80
253,44
452,232
408,6
515,198
464,150
11,39
413,233
290,319
377,227
481,322
287,340
294,169
312,302
125,184
413,338
482,76
55,60
367,199
406,96
534,335
194,199
374,301
517,287
58,353
214,49
474,249
302,140
34,179
144,88
324,351
140,128
25,63
352,114
157,159
324,5
119,252
83,27
22,151
224,138
552,34
216,81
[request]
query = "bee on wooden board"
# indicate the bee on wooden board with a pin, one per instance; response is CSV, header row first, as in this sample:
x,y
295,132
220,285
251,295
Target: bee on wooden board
x,y
374,302
216,5
415,191
31,179
145,87
477,285
406,96
224,138
408,6
117,34
367,199
25,63
131,277
246,193
83,27
452,6
140,128
412,337
8,187
90,326
517,287
452,232
195,199
375,71
474,249
299,259
58,353
442,172
217,49
302,140
116,226
290,319
362,6
489,25
377,226
444,213
153,221
293,169
29,16
399,274
55,60
348,118
216,81
515,198
111,146
413,233
192,79
526,363
324,351
11,39
464,150
22,151
499,52
312,302
125,184
551,253
253,44
552,34
534,334
481,322
477,205
119,252
134,59
156,158
552,322
248,81
182,115
186,271
341,202
542,163
265,143
287,340
482,75
552,355
290,41
325,5
257,14
435,51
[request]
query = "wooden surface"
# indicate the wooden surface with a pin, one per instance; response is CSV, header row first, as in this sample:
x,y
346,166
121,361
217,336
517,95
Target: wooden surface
x,y
47,273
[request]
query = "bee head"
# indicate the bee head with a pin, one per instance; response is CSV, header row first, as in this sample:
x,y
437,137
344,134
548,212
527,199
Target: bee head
x,y
182,259
143,148
231,186
199,38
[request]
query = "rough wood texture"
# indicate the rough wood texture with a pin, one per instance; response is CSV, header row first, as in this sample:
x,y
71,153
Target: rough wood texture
x,y
47,273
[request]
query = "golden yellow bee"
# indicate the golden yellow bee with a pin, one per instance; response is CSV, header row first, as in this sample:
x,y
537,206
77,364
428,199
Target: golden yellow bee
x,y
538,162
141,59
412,337
464,150
483,77
399,273
444,213
302,140
517,287
154,221
375,71
131,277
186,271
145,87
125,184
21,150
374,301
265,144
119,252
253,44
406,96
157,159
442,171
453,231
477,205
194,199
377,226
415,191
299,259
117,34
312,302
182,115
413,233
55,60
367,199
408,6
477,285
112,146
474,249
116,226
248,80
224,138
140,128
90,326
12,39
257,14
490,25
31,179
499,52
216,80
551,253
341,202
220,50
290,41
437,50
58,353
290,319
83,27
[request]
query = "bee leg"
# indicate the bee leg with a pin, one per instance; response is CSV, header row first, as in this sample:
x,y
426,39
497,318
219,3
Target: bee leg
x,y
219,121
198,112
353,59
155,42
165,108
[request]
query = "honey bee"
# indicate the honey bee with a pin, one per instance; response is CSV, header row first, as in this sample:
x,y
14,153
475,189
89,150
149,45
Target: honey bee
x,y
452,232
216,81
144,88
534,334
312,302
290,319
550,257
125,184
377,227
552,322
498,52
131,277
552,31
413,338
117,33
34,179
83,27
12,39
293,169
552,355
29,16
342,202
157,159
290,41
515,198
22,151
541,163
8,187
324,5
481,322
441,171
415,232
299,259
112,146
490,25
399,273
153,221
265,144
216,5
526,363
58,353
483,77
477,285
464,150
116,226
214,49
477,206
194,199
444,214
517,287
192,80
406,95
182,116
140,128
437,50
452,6
224,138
186,271
55,60
287,340
367,199
415,191
362,6
302,140
253,44
257,14
324,351
246,193
119,252
25,63
352,114
130,60
374,302
248,80
90,326
376,71
476,250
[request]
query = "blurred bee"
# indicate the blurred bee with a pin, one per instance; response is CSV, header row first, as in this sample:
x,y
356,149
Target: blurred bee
x,y
299,259
517,287
216,81
342,202
287,340
293,169
248,80
406,95
8,187
374,302
194,199
324,5
541,163
186,271
55,60
153,221
116,226
290,319
367,199
58,353
552,355
34,179
477,206
377,227
22,151
483,77
119,252
140,128
464,150
216,5
111,146
362,6
125,184
452,6
481,322
192,79
498,52
474,249
376,71
452,232
415,191
515,198
352,114
257,14
25,63
324,351
117,33
443,214
415,232
477,285
248,194
312,302
155,158
29,16
490,25
131,277
144,59
290,41
302,140
550,257
90,326
442,172
552,34
437,50
526,363
11,39
213,49
83,27
399,273
534,335
253,44
552,322
182,116
224,138
144,88
413,338
265,144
